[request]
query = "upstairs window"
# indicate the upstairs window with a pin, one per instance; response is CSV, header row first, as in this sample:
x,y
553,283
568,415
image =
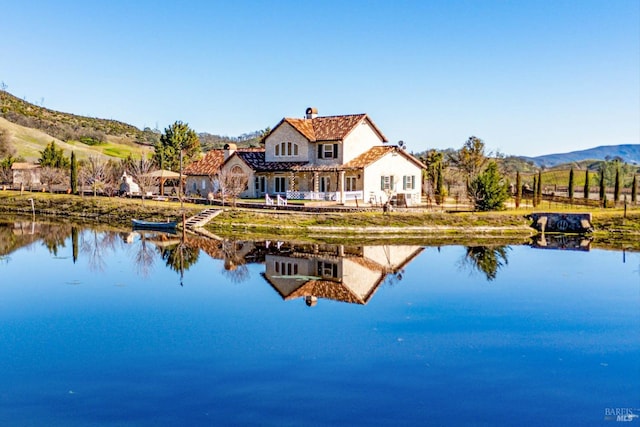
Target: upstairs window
x,y
286,149
327,269
327,151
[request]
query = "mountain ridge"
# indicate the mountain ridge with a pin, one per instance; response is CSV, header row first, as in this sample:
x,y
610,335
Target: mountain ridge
x,y
627,153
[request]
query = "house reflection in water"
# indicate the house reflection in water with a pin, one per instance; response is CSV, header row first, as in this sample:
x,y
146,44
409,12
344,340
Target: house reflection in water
x,y
341,273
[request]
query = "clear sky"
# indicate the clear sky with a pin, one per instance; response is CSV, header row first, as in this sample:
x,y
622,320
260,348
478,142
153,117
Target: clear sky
x,y
528,77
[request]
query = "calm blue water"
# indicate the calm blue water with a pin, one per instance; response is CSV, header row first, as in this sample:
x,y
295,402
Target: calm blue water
x,y
110,336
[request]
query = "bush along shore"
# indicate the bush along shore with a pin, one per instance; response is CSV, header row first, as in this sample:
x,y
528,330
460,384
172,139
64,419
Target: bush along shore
x,y
611,225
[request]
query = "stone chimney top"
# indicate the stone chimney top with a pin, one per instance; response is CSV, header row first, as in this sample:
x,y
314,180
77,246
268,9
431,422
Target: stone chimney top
x,y
311,113
229,149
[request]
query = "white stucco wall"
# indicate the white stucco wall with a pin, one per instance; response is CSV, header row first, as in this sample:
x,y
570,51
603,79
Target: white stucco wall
x,y
390,256
228,166
360,279
286,133
393,165
194,185
362,138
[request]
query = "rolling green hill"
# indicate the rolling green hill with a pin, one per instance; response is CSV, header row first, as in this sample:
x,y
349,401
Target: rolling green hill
x,y
30,128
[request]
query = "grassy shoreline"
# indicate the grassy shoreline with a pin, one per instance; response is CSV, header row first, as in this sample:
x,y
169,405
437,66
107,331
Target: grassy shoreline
x,y
421,225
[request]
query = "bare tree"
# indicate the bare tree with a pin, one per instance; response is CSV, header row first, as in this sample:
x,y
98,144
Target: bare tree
x,y
51,176
6,175
93,173
6,149
232,183
113,173
140,171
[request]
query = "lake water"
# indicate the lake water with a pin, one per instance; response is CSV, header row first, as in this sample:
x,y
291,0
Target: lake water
x,y
130,329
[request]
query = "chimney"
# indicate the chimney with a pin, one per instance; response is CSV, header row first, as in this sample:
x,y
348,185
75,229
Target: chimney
x,y
311,113
229,149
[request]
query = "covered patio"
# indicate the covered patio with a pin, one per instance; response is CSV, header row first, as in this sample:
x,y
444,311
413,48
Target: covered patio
x,y
163,175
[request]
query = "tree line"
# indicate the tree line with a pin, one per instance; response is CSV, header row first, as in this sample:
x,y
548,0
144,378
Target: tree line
x,y
487,181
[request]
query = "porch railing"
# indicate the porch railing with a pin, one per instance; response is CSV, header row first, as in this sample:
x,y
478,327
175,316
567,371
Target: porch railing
x,y
324,195
354,195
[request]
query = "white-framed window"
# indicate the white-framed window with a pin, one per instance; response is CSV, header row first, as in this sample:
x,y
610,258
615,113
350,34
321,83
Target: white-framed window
x,y
280,184
286,268
327,151
408,182
386,182
350,183
260,184
204,184
286,149
327,269
325,183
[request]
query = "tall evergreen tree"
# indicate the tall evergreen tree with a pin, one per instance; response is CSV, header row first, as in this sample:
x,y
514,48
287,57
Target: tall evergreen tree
x,y
539,195
74,173
571,184
616,188
603,192
53,157
534,197
518,189
634,190
489,190
440,191
177,138
586,184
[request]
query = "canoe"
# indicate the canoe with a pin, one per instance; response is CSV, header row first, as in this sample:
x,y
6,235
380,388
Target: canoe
x,y
154,225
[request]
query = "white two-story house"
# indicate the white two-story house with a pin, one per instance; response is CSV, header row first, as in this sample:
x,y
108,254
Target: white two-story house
x,y
338,158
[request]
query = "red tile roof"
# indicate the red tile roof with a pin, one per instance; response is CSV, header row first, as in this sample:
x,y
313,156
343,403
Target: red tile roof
x,y
208,165
376,153
212,161
329,128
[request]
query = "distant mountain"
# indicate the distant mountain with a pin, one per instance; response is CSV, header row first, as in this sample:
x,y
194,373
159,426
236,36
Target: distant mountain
x,y
628,153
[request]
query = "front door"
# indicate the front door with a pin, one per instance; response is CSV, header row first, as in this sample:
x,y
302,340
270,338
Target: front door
x,y
280,184
324,184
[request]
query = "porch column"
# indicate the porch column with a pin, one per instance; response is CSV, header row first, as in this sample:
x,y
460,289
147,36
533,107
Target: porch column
x,y
341,186
316,184
292,182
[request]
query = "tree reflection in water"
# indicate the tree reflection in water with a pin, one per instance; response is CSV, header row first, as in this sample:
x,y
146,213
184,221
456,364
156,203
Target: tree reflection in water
x,y
97,245
180,256
235,264
54,236
485,259
74,243
145,255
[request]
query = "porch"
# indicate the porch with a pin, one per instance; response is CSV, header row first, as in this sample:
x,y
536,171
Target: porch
x,y
334,196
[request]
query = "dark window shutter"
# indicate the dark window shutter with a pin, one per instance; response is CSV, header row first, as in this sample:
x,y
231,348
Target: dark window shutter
x,y
320,151
335,151
382,182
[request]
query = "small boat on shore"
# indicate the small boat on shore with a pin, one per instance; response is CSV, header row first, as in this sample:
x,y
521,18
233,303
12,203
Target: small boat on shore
x,y
154,225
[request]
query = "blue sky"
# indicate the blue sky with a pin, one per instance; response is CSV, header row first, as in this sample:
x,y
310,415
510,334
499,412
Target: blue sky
x,y
528,77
